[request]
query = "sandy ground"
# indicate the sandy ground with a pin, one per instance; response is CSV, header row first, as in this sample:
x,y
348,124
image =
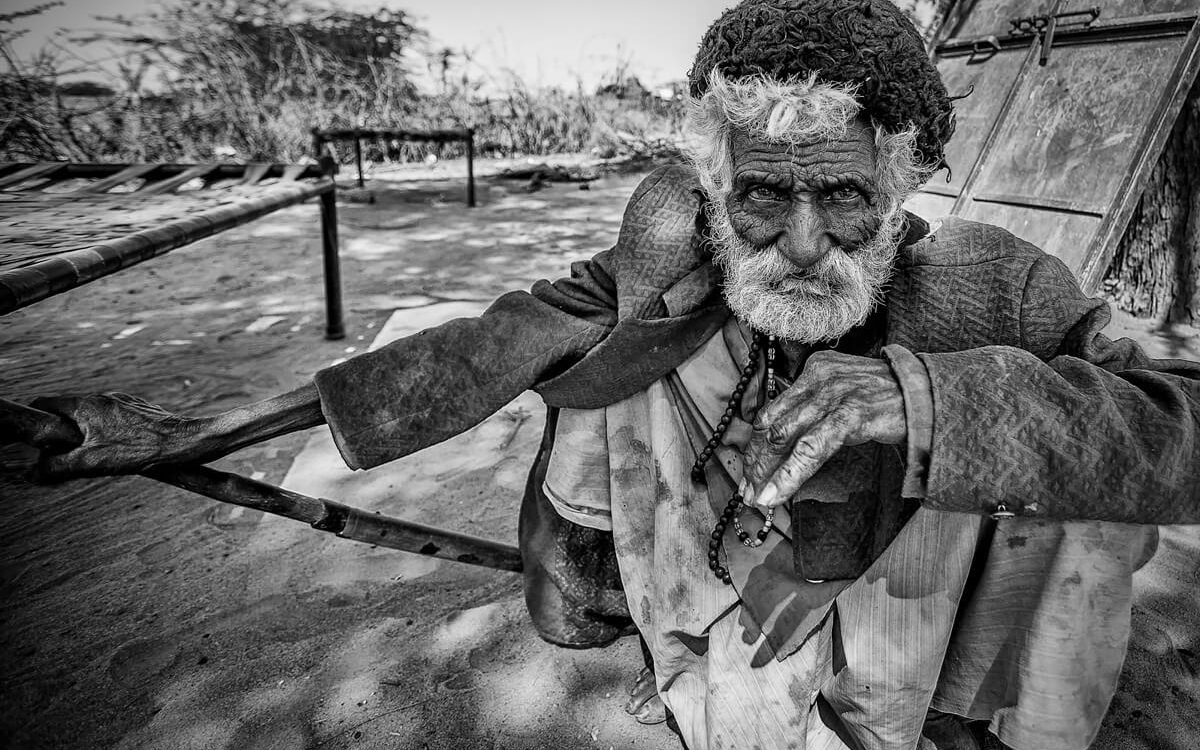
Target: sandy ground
x,y
138,616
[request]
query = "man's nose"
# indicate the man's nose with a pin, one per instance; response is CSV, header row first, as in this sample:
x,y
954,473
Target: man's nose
x,y
804,240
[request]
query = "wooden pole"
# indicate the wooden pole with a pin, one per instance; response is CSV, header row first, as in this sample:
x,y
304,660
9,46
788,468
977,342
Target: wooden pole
x,y
343,520
318,143
24,424
335,327
470,168
358,159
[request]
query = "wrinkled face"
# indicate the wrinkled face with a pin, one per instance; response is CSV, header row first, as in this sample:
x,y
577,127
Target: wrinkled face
x,y
804,244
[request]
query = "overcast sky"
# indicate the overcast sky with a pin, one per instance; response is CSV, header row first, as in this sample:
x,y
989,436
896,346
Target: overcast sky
x,y
547,42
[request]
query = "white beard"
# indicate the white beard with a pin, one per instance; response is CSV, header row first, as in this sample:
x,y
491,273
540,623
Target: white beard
x,y
820,303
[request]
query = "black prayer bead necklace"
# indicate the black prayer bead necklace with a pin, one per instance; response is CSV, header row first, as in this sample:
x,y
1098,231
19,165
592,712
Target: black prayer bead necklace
x,y
736,503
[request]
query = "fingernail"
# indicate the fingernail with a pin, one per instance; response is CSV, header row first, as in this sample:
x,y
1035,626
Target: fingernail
x,y
767,498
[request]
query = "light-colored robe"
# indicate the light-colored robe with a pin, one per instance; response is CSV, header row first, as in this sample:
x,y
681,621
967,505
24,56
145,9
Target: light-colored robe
x,y
1034,643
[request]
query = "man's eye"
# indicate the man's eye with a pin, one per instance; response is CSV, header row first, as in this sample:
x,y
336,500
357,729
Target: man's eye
x,y
765,193
843,195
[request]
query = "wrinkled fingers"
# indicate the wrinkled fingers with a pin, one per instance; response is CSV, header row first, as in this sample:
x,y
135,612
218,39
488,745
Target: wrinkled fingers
x,y
786,449
775,434
808,454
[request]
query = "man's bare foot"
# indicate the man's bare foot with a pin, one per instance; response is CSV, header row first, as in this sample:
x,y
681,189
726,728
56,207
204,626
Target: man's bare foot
x,y
644,703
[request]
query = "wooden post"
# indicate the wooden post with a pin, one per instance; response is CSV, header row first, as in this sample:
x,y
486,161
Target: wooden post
x,y
358,158
470,168
318,144
334,323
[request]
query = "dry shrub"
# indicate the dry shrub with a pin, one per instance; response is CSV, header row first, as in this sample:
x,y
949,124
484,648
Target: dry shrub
x,y
35,121
249,79
250,76
618,117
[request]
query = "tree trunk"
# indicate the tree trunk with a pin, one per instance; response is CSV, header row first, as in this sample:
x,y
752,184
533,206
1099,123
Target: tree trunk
x,y
1156,270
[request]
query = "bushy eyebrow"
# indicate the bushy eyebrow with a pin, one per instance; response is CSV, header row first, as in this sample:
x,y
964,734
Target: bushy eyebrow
x,y
832,182
763,177
786,180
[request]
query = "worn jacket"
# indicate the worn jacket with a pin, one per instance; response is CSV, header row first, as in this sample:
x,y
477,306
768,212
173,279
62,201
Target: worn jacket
x,y
1034,408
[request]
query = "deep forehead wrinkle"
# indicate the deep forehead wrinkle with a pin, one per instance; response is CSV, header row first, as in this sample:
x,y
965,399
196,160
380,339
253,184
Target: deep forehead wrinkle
x,y
812,164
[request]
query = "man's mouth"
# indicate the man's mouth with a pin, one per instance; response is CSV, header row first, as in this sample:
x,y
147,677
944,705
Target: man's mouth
x,y
805,282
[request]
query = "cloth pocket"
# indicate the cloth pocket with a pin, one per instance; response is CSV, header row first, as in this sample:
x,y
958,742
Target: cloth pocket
x,y
859,513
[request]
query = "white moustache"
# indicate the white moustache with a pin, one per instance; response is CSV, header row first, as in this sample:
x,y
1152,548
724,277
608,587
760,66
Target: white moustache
x,y
820,303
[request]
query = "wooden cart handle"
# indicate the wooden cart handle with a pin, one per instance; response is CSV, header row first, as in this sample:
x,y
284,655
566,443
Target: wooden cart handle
x,y
20,423
24,424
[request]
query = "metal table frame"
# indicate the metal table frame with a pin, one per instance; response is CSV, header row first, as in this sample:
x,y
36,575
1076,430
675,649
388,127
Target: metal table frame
x,y
358,135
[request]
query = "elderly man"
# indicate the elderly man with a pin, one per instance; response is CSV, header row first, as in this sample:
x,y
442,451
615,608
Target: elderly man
x,y
765,399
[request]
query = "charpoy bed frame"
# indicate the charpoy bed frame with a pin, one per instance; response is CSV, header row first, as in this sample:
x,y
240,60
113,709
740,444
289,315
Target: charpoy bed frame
x,y
64,224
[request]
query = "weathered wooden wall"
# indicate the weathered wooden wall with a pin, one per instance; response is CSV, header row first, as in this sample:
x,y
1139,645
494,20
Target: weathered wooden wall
x,y
1156,271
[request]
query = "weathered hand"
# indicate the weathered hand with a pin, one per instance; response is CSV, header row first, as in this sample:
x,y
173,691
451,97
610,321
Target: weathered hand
x,y
839,399
122,434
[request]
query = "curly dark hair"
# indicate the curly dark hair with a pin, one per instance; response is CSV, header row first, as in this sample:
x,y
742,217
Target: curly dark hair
x,y
868,43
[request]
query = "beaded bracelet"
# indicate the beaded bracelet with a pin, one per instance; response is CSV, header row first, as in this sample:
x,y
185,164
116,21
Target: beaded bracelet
x,y
732,510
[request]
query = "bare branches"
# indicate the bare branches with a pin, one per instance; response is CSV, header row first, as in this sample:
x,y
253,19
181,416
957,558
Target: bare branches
x,y
8,18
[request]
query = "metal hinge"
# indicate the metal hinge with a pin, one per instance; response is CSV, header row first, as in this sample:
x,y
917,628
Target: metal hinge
x,y
1043,27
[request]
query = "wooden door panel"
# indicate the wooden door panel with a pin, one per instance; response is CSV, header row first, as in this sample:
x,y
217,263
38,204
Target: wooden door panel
x,y
976,113
930,206
1075,126
1127,9
1058,138
1067,236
